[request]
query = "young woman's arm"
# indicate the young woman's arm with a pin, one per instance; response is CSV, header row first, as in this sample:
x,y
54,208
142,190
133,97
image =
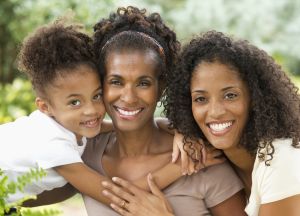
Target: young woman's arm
x,y
288,206
172,171
188,166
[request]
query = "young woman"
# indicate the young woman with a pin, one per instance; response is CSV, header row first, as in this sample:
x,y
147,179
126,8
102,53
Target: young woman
x,y
135,53
234,96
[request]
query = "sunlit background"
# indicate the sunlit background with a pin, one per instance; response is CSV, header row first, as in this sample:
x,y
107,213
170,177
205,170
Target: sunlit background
x,y
271,25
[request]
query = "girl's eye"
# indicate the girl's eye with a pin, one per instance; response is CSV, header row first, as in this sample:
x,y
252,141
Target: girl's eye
x,y
200,99
98,96
230,96
75,102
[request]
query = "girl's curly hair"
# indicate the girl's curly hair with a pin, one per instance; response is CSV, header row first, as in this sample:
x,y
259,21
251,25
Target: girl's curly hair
x,y
53,49
275,102
132,29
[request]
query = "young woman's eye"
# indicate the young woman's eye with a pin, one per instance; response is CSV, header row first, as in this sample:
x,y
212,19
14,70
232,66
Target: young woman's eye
x,y
200,99
144,83
75,102
230,96
98,96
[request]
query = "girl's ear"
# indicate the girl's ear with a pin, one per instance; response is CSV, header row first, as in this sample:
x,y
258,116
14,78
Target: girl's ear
x,y
43,106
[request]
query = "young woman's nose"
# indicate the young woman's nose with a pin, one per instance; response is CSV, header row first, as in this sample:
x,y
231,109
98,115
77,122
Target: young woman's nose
x,y
216,109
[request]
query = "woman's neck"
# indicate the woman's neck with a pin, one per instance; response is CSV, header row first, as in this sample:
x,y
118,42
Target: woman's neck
x,y
243,163
136,143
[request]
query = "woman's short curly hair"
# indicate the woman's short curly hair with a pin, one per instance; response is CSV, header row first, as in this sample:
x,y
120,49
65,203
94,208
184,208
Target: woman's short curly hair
x,y
275,103
52,50
132,29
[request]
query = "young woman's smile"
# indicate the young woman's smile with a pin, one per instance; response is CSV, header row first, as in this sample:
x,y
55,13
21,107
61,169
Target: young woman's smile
x,y
220,103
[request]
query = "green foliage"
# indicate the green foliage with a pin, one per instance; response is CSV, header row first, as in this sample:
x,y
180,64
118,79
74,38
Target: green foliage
x,y
275,22
8,187
16,99
45,212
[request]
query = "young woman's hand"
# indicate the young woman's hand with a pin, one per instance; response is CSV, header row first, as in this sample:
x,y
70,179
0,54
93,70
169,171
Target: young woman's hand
x,y
129,200
202,156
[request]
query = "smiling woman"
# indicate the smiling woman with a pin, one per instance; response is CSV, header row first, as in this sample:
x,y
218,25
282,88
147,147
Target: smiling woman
x,y
131,88
237,98
221,110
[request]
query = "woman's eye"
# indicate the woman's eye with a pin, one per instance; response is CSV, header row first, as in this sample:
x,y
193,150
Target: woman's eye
x,y
200,99
115,82
230,96
98,96
75,102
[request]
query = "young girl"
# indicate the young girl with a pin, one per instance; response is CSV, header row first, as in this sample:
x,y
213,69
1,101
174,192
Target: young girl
x,y
60,64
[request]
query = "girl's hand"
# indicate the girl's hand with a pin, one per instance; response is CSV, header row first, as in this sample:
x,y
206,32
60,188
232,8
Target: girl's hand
x,y
201,155
129,200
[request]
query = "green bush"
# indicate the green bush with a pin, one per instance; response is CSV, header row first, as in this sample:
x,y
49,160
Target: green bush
x,y
10,187
16,99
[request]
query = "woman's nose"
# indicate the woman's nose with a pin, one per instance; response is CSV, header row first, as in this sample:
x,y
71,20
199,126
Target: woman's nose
x,y
129,95
216,109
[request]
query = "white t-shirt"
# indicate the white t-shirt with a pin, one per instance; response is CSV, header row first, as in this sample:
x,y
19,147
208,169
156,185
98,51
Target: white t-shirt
x,y
279,180
37,141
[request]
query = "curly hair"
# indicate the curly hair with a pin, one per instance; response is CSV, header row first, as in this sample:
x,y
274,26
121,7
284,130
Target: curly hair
x,y
132,29
53,49
275,102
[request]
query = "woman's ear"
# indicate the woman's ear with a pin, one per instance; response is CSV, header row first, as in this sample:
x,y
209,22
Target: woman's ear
x,y
43,106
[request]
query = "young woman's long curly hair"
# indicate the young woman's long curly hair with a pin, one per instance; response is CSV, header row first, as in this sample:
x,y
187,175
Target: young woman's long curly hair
x,y
275,102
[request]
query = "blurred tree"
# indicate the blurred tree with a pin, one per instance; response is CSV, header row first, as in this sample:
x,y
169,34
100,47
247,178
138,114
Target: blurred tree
x,y
271,25
20,17
8,50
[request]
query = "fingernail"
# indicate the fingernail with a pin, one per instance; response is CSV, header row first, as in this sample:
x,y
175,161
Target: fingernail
x,y
173,158
114,179
105,192
150,176
104,183
184,173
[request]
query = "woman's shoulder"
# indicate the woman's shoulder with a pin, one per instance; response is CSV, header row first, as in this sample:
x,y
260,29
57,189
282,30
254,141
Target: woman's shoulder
x,y
211,178
101,138
213,184
284,152
97,144
280,177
